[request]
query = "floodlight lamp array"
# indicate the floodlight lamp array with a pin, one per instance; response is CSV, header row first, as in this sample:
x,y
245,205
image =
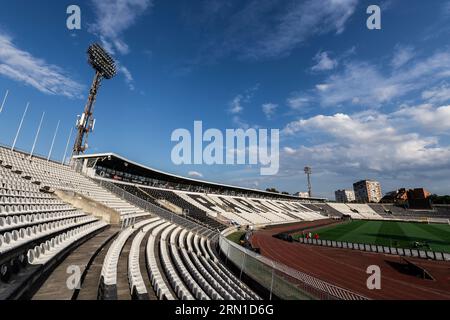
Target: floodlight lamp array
x,y
101,61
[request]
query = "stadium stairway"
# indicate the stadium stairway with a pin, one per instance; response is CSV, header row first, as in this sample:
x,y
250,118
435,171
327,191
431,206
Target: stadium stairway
x,y
77,262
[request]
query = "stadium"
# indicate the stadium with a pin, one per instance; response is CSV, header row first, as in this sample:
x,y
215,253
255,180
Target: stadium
x,y
139,233
100,226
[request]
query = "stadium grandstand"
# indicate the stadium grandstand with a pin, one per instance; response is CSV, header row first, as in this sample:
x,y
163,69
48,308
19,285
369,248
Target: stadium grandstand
x,y
139,233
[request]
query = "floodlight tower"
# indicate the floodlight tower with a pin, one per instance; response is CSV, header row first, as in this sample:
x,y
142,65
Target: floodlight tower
x,y
308,172
105,68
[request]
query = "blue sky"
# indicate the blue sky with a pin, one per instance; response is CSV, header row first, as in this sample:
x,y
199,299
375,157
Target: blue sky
x,y
351,102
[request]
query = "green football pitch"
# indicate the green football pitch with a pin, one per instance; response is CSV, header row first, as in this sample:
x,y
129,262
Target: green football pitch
x,y
434,237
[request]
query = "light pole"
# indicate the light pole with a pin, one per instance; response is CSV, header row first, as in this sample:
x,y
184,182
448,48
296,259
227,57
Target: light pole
x,y
20,127
53,141
4,101
37,135
67,146
105,68
308,172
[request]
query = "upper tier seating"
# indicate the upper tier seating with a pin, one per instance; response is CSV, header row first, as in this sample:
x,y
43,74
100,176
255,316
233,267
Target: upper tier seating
x,y
442,210
205,209
153,195
47,174
439,214
364,210
251,210
384,211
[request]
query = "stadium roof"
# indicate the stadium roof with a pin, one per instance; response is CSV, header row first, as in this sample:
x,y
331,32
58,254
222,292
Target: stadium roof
x,y
180,179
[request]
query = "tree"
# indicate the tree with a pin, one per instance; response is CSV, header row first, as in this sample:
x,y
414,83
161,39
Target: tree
x,y
435,199
272,190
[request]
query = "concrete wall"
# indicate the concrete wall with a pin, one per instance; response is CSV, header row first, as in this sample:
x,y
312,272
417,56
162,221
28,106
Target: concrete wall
x,y
89,206
170,206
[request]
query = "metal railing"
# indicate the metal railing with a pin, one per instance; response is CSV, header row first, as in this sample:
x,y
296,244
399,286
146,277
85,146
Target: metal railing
x,y
150,207
392,250
279,279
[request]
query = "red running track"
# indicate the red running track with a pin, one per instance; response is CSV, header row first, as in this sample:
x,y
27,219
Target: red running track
x,y
347,269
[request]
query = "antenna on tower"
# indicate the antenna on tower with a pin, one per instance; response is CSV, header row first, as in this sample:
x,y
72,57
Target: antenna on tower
x,y
105,68
308,172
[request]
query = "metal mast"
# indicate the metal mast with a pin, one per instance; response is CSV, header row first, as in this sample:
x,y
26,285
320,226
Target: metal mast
x,y
105,68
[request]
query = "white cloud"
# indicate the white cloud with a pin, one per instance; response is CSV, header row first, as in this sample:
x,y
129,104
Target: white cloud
x,y
402,55
289,150
435,120
303,20
240,123
298,102
195,174
22,66
265,30
373,142
128,76
322,87
440,94
269,109
367,85
324,62
114,18
405,147
235,105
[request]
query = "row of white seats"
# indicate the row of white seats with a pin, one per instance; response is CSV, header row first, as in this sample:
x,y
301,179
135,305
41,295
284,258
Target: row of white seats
x,y
109,268
16,238
22,186
177,284
204,252
27,194
236,283
231,215
221,287
24,209
195,285
135,279
356,211
15,222
43,253
365,211
156,276
251,211
27,200
344,209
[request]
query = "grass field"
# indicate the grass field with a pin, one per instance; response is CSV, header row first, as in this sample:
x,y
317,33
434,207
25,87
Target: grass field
x,y
236,237
389,233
